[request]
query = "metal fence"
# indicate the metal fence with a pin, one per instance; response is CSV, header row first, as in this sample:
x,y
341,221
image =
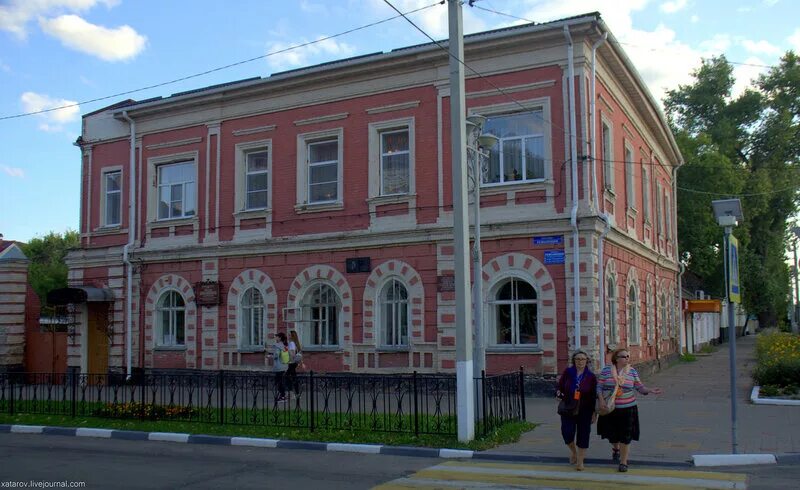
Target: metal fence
x,y
408,403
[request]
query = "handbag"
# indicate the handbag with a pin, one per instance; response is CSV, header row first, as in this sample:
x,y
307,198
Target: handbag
x,y
609,405
568,407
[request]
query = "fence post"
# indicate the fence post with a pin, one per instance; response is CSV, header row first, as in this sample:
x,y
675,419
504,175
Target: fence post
x,y
221,396
484,400
74,386
312,396
522,393
416,406
141,396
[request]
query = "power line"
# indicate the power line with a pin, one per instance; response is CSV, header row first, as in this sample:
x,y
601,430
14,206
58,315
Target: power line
x,y
751,194
213,70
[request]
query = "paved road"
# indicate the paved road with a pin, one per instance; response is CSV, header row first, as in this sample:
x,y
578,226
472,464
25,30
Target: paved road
x,y
108,463
691,417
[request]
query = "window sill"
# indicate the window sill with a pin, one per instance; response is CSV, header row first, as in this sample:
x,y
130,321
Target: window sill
x,y
252,350
109,230
499,188
253,213
322,348
389,349
170,348
174,221
632,212
393,199
514,349
318,208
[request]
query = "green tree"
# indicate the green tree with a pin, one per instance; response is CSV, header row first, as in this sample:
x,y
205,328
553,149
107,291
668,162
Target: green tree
x,y
47,270
747,147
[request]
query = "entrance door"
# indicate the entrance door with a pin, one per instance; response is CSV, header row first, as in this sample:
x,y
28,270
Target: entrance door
x,y
97,347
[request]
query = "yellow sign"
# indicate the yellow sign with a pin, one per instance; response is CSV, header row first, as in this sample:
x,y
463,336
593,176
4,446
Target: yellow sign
x,y
734,292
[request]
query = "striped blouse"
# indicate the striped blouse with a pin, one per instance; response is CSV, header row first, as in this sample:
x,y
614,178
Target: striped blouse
x,y
606,383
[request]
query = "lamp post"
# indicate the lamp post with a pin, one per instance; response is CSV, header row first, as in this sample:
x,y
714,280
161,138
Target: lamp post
x,y
476,144
728,213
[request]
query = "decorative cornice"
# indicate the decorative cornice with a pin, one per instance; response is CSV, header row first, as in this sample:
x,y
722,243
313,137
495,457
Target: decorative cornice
x,y
258,129
329,117
393,107
511,90
171,144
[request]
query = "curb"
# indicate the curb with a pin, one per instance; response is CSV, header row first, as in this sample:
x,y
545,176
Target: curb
x,y
733,459
423,452
754,398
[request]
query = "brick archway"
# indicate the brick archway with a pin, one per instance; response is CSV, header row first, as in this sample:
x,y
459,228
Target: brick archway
x,y
171,282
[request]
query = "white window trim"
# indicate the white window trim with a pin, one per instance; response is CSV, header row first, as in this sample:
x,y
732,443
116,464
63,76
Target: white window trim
x,y
242,149
159,344
659,209
634,324
612,305
645,192
630,186
303,140
379,315
667,217
541,103
608,163
651,313
492,318
307,323
665,327
375,161
104,194
152,190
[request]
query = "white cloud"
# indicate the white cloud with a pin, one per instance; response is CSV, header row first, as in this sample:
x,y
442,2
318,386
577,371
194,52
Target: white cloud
x,y
716,45
13,171
15,14
311,7
307,55
51,121
770,3
745,74
118,44
794,41
760,47
695,19
673,6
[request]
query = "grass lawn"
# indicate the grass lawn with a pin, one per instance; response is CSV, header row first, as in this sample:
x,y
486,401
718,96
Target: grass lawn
x,y
504,434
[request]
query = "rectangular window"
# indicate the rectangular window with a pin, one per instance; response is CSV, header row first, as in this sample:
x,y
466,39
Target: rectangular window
x,y
323,171
176,190
520,152
395,159
608,156
112,208
257,179
645,191
658,208
667,218
630,190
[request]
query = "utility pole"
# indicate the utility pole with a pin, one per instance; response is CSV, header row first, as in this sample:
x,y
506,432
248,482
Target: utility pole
x,y
465,395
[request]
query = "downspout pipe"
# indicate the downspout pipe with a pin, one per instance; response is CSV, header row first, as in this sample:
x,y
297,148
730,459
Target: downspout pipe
x,y
127,248
576,295
682,338
595,192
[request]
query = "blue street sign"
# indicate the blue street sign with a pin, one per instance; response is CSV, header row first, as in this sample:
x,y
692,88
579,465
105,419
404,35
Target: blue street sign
x,y
548,240
554,256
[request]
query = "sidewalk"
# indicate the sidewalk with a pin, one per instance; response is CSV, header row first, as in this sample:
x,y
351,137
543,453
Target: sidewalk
x,y
692,416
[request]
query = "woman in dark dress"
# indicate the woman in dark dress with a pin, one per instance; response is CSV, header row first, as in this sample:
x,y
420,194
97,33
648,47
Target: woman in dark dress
x,y
578,383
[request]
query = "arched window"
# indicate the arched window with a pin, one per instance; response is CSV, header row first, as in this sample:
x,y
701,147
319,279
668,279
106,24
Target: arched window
x,y
394,314
320,307
171,314
633,316
515,310
651,315
251,319
664,322
611,294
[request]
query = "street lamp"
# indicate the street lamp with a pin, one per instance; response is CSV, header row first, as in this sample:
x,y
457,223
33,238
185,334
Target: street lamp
x,y
728,213
478,146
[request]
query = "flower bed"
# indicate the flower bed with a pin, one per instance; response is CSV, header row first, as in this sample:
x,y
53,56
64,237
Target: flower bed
x,y
778,368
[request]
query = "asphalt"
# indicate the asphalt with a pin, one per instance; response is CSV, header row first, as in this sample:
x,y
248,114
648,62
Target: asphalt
x,y
691,417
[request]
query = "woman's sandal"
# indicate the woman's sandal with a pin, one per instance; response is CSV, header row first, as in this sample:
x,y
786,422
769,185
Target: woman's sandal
x,y
579,467
573,458
615,455
623,468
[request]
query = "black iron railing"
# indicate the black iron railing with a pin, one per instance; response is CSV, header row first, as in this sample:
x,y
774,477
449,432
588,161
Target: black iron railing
x,y
409,403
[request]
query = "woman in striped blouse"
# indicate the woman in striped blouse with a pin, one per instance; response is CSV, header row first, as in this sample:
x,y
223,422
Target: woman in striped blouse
x,y
621,426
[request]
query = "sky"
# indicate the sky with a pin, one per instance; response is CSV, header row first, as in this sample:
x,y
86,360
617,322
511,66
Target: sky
x,y
56,53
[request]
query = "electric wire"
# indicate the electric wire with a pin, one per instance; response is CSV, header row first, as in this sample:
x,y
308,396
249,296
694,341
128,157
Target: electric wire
x,y
220,68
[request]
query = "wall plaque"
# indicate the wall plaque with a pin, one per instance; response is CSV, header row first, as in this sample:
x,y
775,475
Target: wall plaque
x,y
446,284
206,293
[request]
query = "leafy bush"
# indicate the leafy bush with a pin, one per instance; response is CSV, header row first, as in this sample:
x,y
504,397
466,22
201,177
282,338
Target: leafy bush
x,y
782,373
153,412
686,357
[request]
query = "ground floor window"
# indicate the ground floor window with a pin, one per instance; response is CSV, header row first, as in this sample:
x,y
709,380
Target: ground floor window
x,y
171,315
514,309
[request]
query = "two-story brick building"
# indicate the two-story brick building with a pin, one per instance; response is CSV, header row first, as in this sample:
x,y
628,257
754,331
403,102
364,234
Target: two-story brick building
x,y
320,199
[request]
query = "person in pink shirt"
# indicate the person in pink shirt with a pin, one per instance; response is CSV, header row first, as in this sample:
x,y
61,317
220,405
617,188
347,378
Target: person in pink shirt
x,y
620,380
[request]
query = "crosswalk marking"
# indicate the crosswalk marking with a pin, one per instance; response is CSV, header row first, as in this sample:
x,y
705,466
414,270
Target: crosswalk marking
x,y
485,475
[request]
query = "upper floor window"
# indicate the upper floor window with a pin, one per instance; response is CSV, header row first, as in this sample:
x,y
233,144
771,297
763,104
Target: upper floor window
x,y
645,191
395,162
112,206
519,155
171,319
257,178
320,307
515,310
319,167
251,318
176,190
630,189
608,155
394,314
668,217
633,316
659,220
651,315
